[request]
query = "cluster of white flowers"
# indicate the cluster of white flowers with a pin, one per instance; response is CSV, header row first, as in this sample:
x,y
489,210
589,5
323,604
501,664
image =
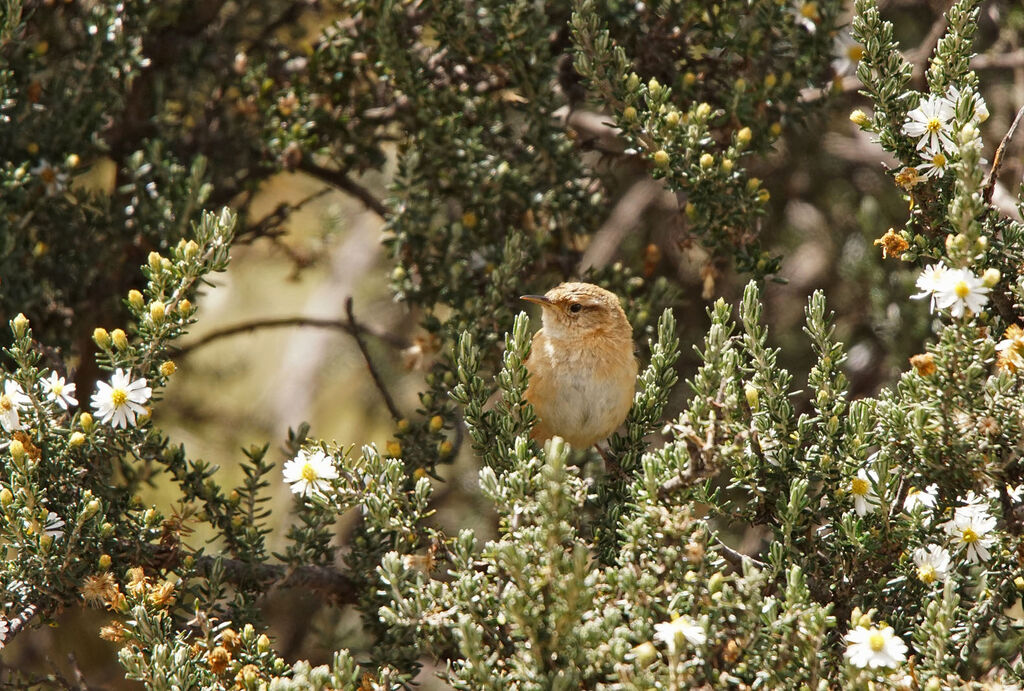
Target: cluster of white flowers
x,y
932,124
673,633
957,290
871,646
310,472
971,526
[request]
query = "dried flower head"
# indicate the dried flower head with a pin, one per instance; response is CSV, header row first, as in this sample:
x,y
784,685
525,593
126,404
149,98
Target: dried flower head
x,y
893,245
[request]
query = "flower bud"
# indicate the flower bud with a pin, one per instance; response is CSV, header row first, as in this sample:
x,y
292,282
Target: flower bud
x,y
753,184
248,631
155,261
469,219
654,87
101,337
740,84
991,277
191,250
119,339
6,497
703,111
770,80
17,450
167,368
91,509
860,118
763,196
135,299
104,562
85,420
19,325
715,582
263,643
184,307
661,158
775,129
76,439
157,311
727,165
403,425
393,449
644,654
706,161
743,136
436,423
672,119
633,81
445,448
752,395
629,114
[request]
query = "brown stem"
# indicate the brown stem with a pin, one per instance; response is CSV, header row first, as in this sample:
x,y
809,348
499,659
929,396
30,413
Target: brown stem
x,y
343,182
997,160
357,334
339,324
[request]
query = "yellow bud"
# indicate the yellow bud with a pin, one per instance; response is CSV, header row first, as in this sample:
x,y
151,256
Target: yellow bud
x,y
135,299
654,87
155,261
32,148
703,111
727,165
860,118
76,439
91,509
393,449
763,196
19,325
752,395
445,448
6,497
263,643
119,338
743,136
167,368
740,84
706,161
436,423
644,654
73,160
469,219
715,582
402,425
101,337
104,562
689,79
42,48
157,311
191,250
690,210
672,119
753,184
17,450
991,277
776,129
419,473
45,541
1018,583
184,307
629,113
40,249
165,264
632,81
85,420
661,158
770,80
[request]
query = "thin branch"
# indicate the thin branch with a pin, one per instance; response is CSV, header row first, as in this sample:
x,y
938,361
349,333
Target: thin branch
x,y
343,182
919,56
19,621
247,327
735,558
357,334
997,160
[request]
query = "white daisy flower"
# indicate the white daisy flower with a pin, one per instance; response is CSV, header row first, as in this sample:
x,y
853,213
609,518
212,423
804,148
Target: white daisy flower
x,y
980,107
122,399
931,280
874,647
970,527
673,633
934,165
932,563
53,180
310,472
918,498
862,487
848,53
962,290
929,123
58,391
54,526
11,400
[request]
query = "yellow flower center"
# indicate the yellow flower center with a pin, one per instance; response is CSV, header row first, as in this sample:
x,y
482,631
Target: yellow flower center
x,y
48,175
5,402
926,573
118,397
968,536
939,160
859,486
877,641
855,53
961,289
934,125
57,389
309,473
809,10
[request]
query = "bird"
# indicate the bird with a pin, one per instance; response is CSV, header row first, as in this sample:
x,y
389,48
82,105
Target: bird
x,y
581,364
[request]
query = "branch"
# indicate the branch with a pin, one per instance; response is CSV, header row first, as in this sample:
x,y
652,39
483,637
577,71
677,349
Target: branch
x,y
735,558
919,56
357,334
338,324
323,580
997,160
18,622
343,182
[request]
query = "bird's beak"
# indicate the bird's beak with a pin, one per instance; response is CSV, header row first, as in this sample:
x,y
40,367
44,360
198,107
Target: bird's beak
x,y
538,299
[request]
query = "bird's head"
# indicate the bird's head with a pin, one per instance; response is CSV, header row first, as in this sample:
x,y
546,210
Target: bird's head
x,y
574,310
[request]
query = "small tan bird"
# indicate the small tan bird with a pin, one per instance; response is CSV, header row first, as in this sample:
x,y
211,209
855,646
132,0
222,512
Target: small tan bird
x,y
582,367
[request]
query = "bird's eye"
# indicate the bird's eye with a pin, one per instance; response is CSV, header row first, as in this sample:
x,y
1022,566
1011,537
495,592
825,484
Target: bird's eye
x,y
575,307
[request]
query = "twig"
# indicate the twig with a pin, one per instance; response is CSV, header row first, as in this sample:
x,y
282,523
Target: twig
x,y
343,182
357,334
19,621
919,56
997,160
735,558
339,324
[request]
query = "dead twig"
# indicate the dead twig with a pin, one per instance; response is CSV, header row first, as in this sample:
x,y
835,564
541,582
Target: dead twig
x,y
342,181
357,334
997,160
339,324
